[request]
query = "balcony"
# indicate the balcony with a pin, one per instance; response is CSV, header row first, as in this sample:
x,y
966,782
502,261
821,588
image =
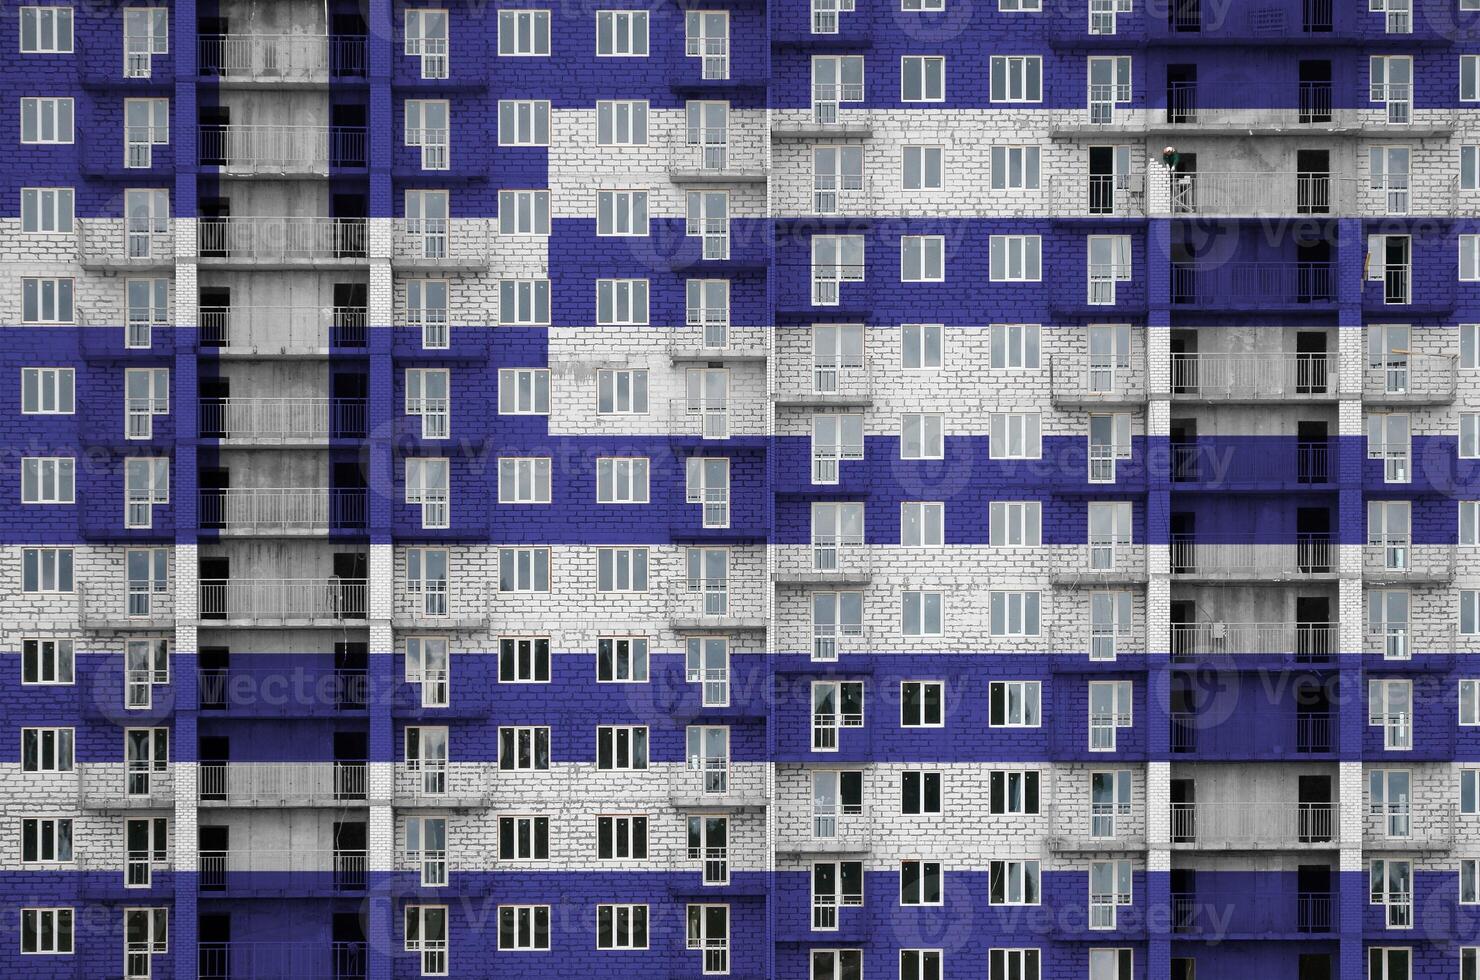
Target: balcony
x,y
125,606
1234,194
1244,736
1091,379
282,150
278,960
825,561
1254,285
716,339
1411,379
244,872
281,59
441,243
1281,464
282,331
1101,644
121,243
830,828
291,691
289,242
1399,642
1198,557
841,383
437,783
434,605
1255,377
718,783
125,786
1264,915
1254,825
1097,564
1097,195
1408,826
1190,106
708,156
282,512
1080,826
705,604
1396,559
1311,643
734,414
275,784
115,874
303,601
282,421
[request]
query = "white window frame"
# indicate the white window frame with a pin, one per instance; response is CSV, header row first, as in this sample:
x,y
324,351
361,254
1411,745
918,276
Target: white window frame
x,y
922,523
423,489
631,399
622,302
48,480
1028,70
524,479
523,213
1029,702
50,30
53,927
524,33
1018,876
930,175
524,391
929,89
48,210
1021,258
627,657
623,478
915,612
146,484
622,122
40,292
52,661
626,30
622,933
923,691
524,122
53,120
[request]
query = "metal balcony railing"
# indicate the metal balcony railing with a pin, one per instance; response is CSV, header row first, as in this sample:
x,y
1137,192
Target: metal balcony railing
x,y
275,960
1308,555
1208,465
295,239
282,691
1253,285
281,58
286,330
1308,642
1257,193
1212,915
1414,378
304,598
1254,824
282,783
282,419
1302,104
1254,376
265,510
1302,732
282,149
288,871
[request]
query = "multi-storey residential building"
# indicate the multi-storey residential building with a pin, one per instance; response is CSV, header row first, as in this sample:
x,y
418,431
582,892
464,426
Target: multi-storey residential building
x,y
914,489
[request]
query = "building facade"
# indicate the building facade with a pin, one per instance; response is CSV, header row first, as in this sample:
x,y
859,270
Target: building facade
x,y
927,489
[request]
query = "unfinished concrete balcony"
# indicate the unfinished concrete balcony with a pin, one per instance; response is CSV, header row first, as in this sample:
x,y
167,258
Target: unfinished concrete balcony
x,y
126,243
1209,914
1098,379
1254,285
295,691
1099,563
1198,557
839,382
1300,642
450,244
323,960
257,332
827,560
1395,558
282,151
1252,194
307,602
1249,735
249,872
1274,464
282,784
287,60
1212,106
285,242
711,155
709,336
1254,825
1410,379
1254,377
283,511
282,422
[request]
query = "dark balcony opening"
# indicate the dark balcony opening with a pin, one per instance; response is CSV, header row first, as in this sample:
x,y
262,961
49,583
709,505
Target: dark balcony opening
x,y
1314,631
213,752
1312,453
1314,910
1314,966
1184,899
347,128
214,858
350,392
1109,169
213,120
351,749
351,568
1181,93
215,316
348,937
1185,16
214,570
1183,615
214,482
1183,712
1311,362
1183,542
1315,17
1184,814
1313,181
215,669
1184,362
211,210
347,46
1317,824
1313,548
209,62
1315,91
350,842
351,300
352,675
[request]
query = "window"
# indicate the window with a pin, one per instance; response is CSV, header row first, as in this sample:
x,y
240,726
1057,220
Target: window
x,y
837,178
1109,532
1469,956
1016,258
834,615
524,480
922,346
1391,84
524,569
834,705
524,212
146,483
1109,711
622,302
922,79
1389,176
48,479
835,80
1469,702
1014,613
622,480
523,748
834,438
621,927
707,483
146,393
46,749
426,847
1389,794
428,125
1469,78
1109,263
1469,790
148,304
45,120
1014,791
1469,887
524,838
46,210
523,33
709,930
427,757
837,964
1109,86
1392,886
1014,704
1469,346
922,258
707,303
922,525
918,6
1469,522
621,33
145,933
707,663
146,32
707,401
622,747
1390,706
923,168
1387,621
46,30
46,569
1469,167
920,792
621,123
708,218
523,122
46,931
621,569
524,660
622,213
1013,883
1469,258
707,37
426,935
622,392
427,392
426,665
426,38
1390,262
1017,78
921,436
146,664
622,659
1013,964
922,613
426,307
146,124
922,704
148,575
920,883
1388,439
47,661
1014,168
46,300
1109,623
427,485
46,840
1109,442
1109,888
836,259
1112,964
1469,612
524,391
1015,523
427,577
621,838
